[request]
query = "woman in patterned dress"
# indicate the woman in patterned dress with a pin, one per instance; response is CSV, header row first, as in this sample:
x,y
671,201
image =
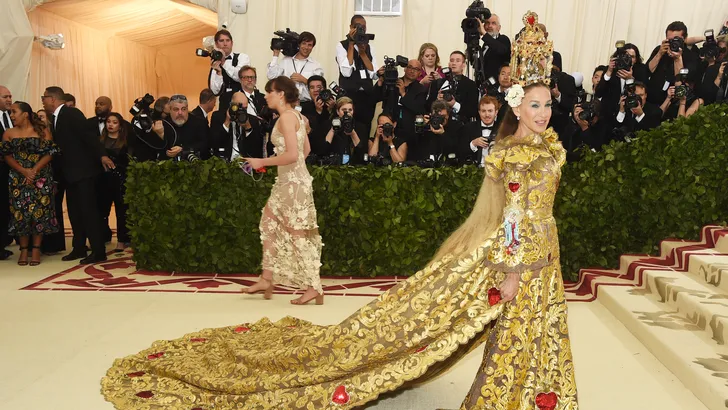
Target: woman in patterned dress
x,y
288,227
496,281
28,148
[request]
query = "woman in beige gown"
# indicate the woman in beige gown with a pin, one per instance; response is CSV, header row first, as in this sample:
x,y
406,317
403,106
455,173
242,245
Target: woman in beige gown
x,y
288,226
496,281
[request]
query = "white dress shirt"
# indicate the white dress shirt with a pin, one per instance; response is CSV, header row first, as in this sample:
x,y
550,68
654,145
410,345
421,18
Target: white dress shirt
x,y
622,81
5,116
446,86
55,113
485,134
251,107
289,65
621,116
347,70
236,150
216,80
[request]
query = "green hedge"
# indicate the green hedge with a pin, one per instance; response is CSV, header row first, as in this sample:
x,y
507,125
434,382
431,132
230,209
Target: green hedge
x,y
203,216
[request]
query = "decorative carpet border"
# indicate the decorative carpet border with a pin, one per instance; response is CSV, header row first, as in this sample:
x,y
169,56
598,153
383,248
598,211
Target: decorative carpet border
x,y
119,274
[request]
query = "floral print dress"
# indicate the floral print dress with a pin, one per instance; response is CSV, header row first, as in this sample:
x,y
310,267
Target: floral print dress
x,y
32,206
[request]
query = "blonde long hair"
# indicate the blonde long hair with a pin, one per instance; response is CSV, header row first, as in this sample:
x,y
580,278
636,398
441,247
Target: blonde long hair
x,y
487,214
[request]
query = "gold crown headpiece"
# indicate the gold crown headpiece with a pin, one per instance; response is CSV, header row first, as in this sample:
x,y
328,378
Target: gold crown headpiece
x,y
532,54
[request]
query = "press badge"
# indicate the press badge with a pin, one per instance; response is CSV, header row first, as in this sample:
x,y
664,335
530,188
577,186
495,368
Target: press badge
x,y
363,74
666,86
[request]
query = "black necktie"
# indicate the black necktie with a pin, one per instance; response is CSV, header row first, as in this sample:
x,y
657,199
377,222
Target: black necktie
x,y
53,122
486,127
6,120
102,120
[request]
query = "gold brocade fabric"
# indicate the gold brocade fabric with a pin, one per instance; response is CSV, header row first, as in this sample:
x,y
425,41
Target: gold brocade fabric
x,y
416,329
288,227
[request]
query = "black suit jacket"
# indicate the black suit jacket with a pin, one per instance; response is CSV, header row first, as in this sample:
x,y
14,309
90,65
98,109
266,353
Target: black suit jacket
x,y
652,119
93,125
562,110
404,109
466,94
198,112
320,126
498,53
427,144
81,150
471,131
194,135
221,140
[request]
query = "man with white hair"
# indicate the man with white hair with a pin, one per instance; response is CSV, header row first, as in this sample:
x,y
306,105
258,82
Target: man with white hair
x,y
496,49
191,131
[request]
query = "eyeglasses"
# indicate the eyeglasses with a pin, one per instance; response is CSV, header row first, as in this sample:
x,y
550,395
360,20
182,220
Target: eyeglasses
x,y
248,77
43,97
178,97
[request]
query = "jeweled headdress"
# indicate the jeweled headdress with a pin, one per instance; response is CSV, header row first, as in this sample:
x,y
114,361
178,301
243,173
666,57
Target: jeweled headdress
x,y
531,58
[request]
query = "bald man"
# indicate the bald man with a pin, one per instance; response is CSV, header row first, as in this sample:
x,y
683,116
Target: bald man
x,y
496,49
102,109
404,102
6,100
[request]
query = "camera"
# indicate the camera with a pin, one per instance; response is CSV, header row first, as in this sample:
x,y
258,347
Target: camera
x,y
554,79
676,44
710,48
188,155
622,60
334,91
144,115
470,25
215,55
490,88
237,113
142,104
387,130
391,75
436,120
420,124
287,42
361,36
345,123
586,102
630,91
681,91
448,94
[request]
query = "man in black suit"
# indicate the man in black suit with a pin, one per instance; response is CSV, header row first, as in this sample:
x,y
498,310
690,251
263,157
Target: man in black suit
x,y
645,116
83,159
207,104
563,94
230,140
405,101
477,136
102,109
664,64
464,104
6,100
496,49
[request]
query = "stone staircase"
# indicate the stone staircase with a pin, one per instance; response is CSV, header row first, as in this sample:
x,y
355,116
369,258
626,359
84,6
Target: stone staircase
x,y
676,304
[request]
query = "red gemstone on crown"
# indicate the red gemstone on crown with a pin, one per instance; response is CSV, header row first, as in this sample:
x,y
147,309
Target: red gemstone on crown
x,y
136,374
531,20
241,329
155,355
546,401
146,394
340,395
514,186
494,296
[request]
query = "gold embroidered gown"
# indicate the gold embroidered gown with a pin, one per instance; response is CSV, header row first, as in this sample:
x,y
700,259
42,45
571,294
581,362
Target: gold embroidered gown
x,y
288,226
411,332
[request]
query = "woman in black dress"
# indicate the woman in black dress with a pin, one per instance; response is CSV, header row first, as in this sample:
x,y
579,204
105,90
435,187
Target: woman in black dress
x,y
28,149
111,186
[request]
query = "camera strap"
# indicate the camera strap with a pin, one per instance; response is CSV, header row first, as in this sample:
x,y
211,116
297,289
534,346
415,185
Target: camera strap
x,y
293,60
227,80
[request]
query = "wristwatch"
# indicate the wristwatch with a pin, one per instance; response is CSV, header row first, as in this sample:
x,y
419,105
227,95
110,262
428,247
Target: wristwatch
x,y
391,147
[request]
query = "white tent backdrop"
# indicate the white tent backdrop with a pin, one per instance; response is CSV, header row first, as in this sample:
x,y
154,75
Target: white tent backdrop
x,y
584,31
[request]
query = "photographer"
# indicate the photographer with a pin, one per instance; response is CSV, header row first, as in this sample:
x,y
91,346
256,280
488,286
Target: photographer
x,y
668,59
496,49
224,77
586,129
459,92
357,61
299,67
721,84
625,64
147,145
405,100
643,116
319,114
385,143
681,100
239,134
344,139
477,136
440,137
563,93
191,132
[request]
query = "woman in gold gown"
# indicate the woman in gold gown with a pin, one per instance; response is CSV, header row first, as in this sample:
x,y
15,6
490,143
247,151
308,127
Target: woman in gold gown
x,y
496,281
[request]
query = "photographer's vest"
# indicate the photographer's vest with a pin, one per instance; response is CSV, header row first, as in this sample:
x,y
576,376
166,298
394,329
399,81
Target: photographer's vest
x,y
229,86
355,82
